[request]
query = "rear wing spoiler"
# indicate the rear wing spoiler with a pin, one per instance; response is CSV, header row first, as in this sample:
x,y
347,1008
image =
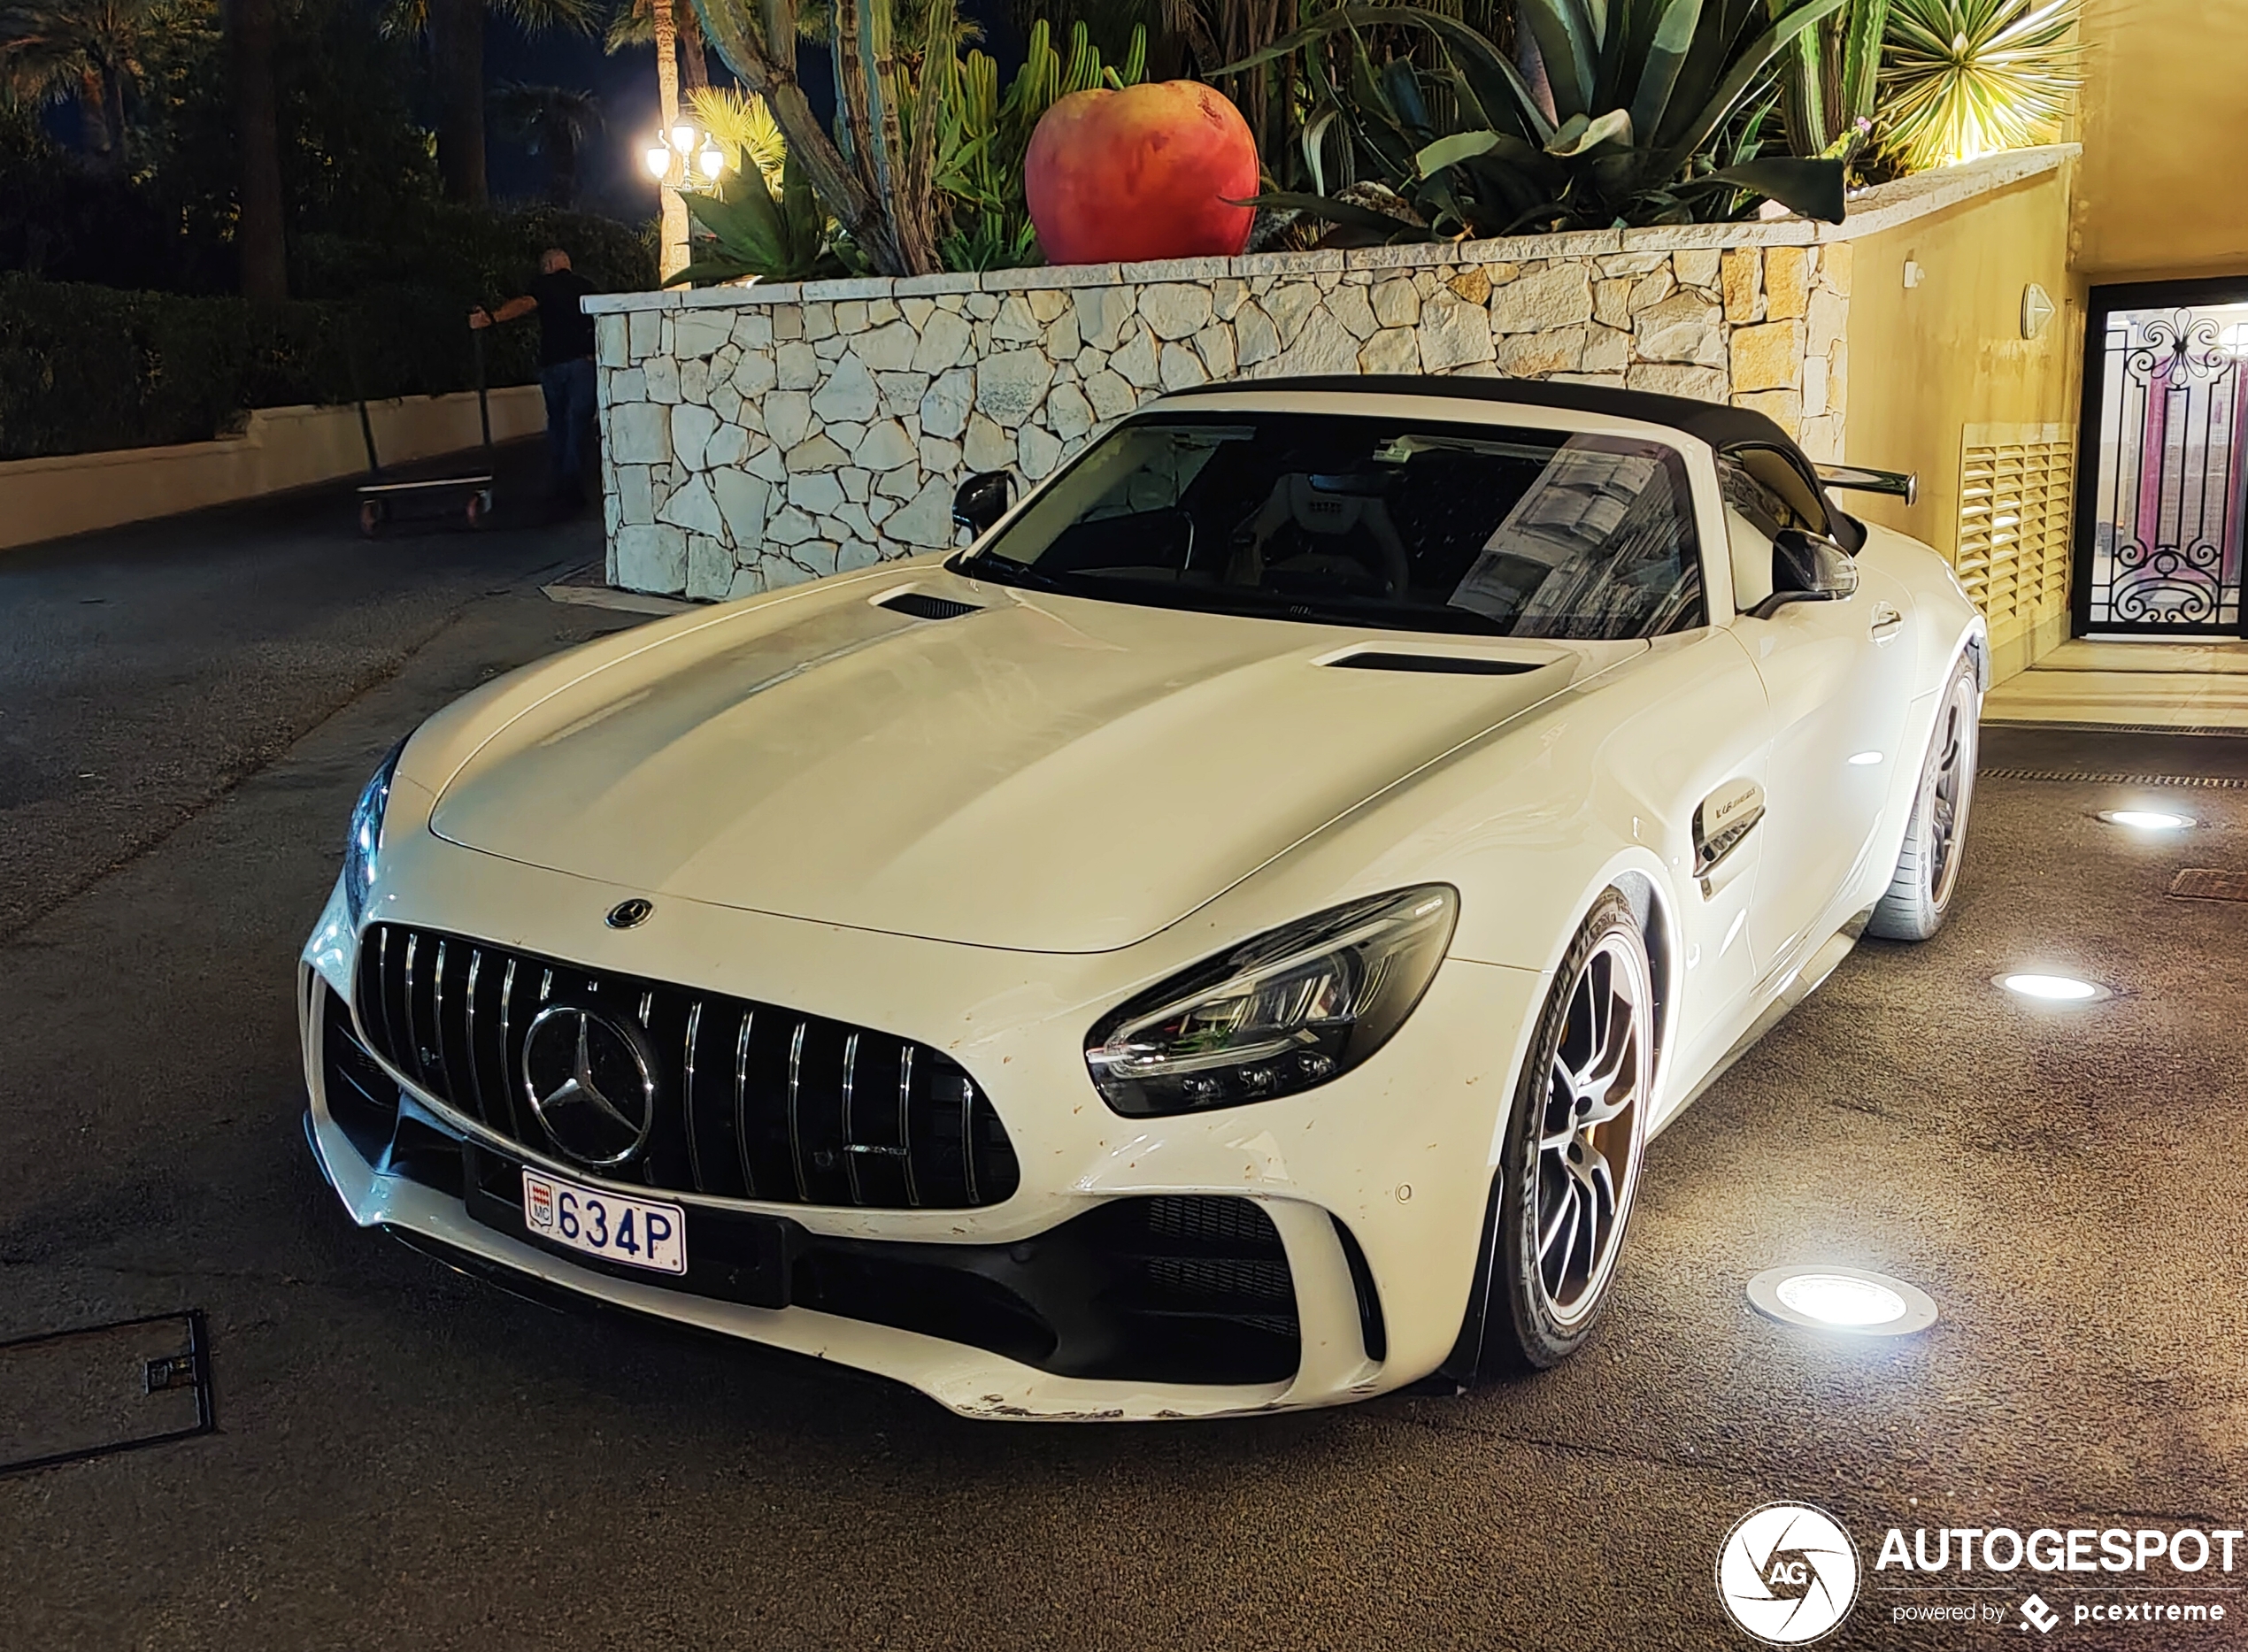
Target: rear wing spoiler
x,y
1904,485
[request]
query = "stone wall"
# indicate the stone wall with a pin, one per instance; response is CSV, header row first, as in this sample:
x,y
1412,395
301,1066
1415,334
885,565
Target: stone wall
x,y
756,436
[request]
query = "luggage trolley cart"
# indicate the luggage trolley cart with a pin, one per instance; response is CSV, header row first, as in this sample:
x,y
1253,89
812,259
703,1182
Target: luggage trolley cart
x,y
434,497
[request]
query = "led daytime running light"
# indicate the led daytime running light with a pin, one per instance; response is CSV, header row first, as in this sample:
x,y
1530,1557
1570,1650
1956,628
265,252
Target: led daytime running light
x,y
1277,1015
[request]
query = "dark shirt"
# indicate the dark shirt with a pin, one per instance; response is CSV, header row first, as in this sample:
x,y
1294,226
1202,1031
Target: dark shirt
x,y
565,332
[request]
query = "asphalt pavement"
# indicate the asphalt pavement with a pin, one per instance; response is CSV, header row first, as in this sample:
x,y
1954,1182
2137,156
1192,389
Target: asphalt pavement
x,y
405,1458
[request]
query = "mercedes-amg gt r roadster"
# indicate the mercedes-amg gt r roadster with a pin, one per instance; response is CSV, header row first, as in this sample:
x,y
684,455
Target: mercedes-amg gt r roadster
x,y
1219,943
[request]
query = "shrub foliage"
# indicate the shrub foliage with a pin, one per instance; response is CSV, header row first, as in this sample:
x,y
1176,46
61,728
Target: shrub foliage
x,y
84,367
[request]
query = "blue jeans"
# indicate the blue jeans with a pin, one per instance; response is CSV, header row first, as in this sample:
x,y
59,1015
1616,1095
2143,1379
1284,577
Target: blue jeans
x,y
568,386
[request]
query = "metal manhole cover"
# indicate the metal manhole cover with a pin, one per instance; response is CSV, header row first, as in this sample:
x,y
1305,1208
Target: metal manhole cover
x,y
66,1396
2207,883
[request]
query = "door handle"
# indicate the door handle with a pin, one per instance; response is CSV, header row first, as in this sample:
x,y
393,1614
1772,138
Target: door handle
x,y
1887,622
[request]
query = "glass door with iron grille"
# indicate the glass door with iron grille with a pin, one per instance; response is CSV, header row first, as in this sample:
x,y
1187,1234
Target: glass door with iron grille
x,y
2160,515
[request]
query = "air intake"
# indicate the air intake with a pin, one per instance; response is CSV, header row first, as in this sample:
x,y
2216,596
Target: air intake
x,y
922,606
1453,664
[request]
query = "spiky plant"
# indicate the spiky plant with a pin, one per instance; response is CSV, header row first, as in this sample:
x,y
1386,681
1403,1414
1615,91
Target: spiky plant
x,y
744,129
1620,118
1963,78
1828,78
982,137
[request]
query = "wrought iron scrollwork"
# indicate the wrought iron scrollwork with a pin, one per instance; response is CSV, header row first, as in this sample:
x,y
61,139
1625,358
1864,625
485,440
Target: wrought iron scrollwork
x,y
2170,505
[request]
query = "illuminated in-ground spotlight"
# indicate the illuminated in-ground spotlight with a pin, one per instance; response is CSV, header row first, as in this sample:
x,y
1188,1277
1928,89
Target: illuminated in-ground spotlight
x,y
1848,1300
2146,819
2065,989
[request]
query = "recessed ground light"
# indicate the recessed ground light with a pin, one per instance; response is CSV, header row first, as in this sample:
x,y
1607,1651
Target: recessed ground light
x,y
1848,1300
2053,989
2144,819
1861,759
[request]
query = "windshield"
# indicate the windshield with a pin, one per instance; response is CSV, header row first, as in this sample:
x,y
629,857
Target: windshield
x,y
1364,521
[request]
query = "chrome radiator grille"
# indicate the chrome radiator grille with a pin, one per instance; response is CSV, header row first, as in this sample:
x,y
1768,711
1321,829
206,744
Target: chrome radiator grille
x,y
750,1101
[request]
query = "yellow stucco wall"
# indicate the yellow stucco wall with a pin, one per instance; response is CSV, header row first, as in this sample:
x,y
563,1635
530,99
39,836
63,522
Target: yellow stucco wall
x,y
2163,117
1929,362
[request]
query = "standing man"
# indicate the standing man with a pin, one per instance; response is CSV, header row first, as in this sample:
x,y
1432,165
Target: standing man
x,y
565,367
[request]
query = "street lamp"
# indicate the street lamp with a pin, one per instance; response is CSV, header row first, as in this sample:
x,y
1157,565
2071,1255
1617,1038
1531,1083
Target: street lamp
x,y
674,156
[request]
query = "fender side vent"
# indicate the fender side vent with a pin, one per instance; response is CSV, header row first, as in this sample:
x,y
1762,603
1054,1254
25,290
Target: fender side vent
x,y
1453,664
922,606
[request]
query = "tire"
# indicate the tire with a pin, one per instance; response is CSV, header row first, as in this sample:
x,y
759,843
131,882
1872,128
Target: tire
x,y
1573,1145
1928,867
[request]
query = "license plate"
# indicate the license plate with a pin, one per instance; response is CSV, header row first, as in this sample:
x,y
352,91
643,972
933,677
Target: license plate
x,y
639,1232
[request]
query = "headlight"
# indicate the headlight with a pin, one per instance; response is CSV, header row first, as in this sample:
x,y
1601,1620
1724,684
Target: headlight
x,y
366,835
1279,1014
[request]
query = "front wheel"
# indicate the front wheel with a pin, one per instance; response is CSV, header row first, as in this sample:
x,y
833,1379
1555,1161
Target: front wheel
x,y
1574,1146
1927,866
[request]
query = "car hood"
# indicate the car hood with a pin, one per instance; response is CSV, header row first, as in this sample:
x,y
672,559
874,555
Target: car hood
x,y
1046,773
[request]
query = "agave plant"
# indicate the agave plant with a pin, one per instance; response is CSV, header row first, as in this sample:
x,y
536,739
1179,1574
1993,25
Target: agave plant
x,y
748,228
981,138
1963,78
1621,116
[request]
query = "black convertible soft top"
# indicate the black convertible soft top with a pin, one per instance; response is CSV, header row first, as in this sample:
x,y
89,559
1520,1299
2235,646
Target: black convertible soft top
x,y
1727,429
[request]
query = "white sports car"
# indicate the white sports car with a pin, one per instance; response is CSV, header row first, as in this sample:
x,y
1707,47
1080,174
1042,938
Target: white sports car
x,y
1220,944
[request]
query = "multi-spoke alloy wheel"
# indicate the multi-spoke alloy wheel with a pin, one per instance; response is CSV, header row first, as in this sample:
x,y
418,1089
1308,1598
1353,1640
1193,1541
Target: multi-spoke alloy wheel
x,y
1588,1145
1954,784
1928,864
1574,1147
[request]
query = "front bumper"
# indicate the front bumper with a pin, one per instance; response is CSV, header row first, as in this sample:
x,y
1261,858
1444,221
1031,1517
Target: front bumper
x,y
1374,1186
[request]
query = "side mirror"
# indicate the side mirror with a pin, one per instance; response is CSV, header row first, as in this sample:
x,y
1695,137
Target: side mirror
x,y
1807,568
982,500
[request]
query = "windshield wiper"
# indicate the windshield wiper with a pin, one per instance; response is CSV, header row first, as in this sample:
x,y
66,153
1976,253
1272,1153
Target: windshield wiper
x,y
1005,570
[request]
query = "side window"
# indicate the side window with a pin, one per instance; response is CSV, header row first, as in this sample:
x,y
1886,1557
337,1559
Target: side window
x,y
1766,509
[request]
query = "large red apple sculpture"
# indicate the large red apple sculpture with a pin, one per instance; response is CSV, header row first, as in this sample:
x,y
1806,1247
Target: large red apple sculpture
x,y
1149,171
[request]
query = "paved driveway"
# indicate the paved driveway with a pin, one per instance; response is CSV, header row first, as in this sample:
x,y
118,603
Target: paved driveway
x,y
408,1459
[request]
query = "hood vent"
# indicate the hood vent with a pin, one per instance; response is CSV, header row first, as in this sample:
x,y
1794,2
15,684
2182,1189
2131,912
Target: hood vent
x,y
1463,666
923,606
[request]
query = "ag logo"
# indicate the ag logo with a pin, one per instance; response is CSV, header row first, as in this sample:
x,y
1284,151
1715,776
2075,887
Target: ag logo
x,y
1788,1573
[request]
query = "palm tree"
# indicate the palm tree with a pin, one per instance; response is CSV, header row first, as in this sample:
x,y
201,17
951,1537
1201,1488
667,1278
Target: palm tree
x,y
744,130
260,247
455,30
557,121
85,51
634,25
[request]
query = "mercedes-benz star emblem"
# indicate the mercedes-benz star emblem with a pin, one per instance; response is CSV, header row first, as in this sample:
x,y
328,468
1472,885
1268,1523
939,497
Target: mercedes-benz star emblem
x,y
629,914
592,1081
